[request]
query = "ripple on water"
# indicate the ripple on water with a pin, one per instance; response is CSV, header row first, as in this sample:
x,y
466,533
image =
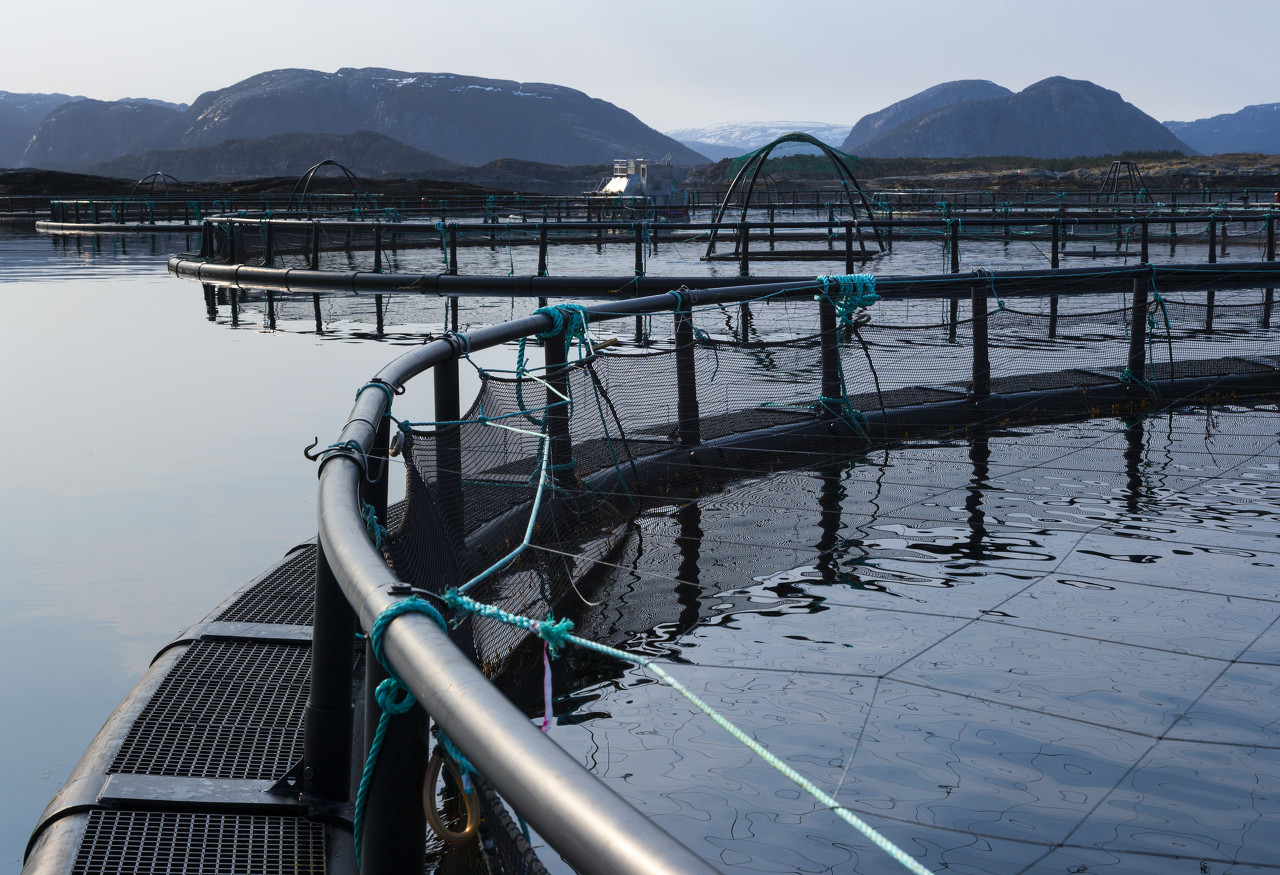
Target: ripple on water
x,y
1007,655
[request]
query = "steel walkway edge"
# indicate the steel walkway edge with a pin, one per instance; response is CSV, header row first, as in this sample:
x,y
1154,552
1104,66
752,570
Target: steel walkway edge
x,y
192,771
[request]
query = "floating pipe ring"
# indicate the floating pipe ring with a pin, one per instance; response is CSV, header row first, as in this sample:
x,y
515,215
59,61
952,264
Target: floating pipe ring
x,y
434,820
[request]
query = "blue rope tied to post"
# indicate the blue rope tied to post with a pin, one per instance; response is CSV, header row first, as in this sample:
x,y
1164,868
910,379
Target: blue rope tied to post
x,y
991,283
559,633
842,408
393,697
856,291
1127,378
572,319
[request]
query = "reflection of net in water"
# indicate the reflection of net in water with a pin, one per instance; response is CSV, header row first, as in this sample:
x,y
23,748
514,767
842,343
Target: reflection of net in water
x,y
1033,651
471,482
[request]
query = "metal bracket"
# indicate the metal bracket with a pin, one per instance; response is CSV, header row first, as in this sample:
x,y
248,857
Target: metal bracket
x,y
290,783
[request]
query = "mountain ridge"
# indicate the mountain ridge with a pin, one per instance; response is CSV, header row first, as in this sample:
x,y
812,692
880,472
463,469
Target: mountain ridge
x,y
1053,118
1255,128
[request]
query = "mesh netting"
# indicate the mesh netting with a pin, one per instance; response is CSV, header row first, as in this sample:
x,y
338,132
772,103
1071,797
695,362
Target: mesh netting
x,y
754,367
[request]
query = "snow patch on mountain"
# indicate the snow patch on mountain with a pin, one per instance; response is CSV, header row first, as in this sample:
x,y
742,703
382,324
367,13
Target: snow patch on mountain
x,y
752,135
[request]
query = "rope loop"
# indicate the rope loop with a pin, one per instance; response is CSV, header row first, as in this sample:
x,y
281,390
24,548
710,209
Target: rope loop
x,y
557,320
854,292
386,387
991,283
386,695
412,604
462,340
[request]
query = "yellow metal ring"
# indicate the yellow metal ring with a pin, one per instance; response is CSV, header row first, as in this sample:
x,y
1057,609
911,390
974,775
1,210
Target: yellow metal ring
x,y
434,820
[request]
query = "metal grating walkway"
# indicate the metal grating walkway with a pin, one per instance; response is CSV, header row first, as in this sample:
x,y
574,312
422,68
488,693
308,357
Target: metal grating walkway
x,y
228,709
182,785
152,843
284,595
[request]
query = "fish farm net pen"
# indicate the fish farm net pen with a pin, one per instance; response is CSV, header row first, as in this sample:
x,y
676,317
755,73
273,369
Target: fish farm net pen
x,y
521,504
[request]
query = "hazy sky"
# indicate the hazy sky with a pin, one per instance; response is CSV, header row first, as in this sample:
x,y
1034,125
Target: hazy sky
x,y
673,63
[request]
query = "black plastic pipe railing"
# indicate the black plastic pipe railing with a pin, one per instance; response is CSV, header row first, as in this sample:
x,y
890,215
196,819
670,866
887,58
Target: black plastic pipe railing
x,y
1062,281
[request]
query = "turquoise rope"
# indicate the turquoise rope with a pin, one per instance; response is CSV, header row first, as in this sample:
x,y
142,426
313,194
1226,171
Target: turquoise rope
x,y
377,532
391,394
857,291
393,697
528,532
559,633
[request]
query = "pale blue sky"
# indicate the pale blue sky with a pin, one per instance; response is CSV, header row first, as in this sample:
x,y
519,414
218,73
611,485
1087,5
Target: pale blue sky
x,y
674,63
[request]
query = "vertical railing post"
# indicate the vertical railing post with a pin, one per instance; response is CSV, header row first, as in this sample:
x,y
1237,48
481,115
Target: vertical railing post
x,y
542,249
1053,265
327,719
1268,295
744,239
688,430
981,386
638,234
377,247
452,268
555,351
1213,239
314,262
830,340
1138,332
639,271
1146,241
268,246
231,241
394,821
448,445
953,238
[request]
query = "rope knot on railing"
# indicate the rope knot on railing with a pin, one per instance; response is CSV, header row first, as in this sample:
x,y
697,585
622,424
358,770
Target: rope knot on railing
x,y
854,291
572,319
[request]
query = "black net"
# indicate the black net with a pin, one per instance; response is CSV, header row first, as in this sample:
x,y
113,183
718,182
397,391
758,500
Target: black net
x,y
754,367
762,368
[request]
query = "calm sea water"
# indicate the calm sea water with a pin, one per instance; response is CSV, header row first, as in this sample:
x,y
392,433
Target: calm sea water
x,y
154,464
1051,649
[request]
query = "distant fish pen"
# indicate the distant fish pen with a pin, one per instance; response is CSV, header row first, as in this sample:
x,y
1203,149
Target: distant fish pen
x,y
343,711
